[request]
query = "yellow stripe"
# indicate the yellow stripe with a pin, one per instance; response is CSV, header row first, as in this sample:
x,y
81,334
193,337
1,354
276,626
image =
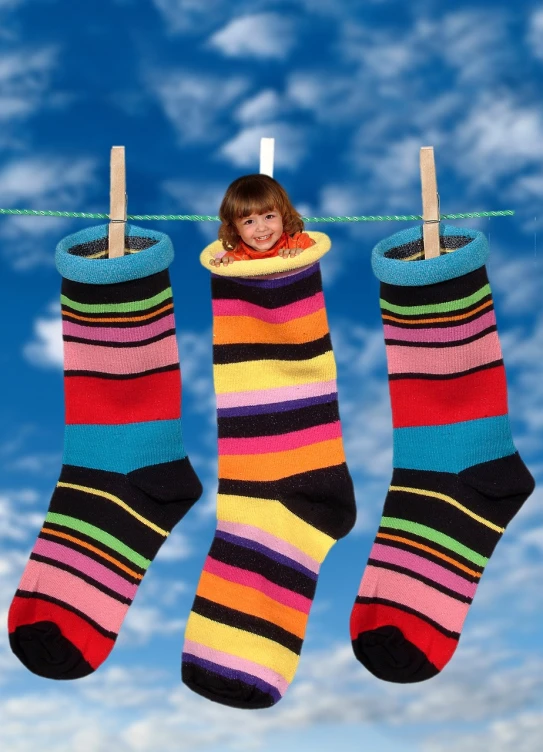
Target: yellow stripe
x,y
452,502
274,518
265,374
213,634
119,503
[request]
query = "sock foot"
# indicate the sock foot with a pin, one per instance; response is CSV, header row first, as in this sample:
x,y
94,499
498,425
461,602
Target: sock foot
x,y
44,650
388,655
227,690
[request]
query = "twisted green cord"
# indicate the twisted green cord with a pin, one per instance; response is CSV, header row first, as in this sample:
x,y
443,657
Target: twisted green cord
x,y
207,218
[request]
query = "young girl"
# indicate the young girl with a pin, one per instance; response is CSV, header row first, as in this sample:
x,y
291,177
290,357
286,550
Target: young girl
x,y
259,221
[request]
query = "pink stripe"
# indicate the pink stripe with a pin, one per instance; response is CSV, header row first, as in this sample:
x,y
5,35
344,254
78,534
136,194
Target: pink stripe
x,y
126,360
444,360
438,334
86,565
402,589
277,394
116,333
257,582
281,442
269,315
237,664
49,580
422,566
266,539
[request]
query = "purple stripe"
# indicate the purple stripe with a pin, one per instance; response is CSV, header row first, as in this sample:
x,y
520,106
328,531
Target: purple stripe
x,y
273,283
233,674
275,407
270,553
85,565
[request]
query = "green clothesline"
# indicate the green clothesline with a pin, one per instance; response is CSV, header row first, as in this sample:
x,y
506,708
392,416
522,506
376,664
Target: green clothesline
x,y
206,218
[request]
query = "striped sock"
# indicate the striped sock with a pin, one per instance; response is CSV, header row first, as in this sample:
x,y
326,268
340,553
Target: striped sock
x,y
126,479
458,479
285,494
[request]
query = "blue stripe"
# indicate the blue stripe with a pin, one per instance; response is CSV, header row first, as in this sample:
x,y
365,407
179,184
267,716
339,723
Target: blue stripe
x,y
123,448
236,540
453,447
275,407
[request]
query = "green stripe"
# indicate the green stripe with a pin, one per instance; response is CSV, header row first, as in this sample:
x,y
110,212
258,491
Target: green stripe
x,y
451,305
100,535
131,306
434,535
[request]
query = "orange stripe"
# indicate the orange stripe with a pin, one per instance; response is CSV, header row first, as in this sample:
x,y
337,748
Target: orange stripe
x,y
430,551
94,550
276,465
116,320
251,601
437,321
229,330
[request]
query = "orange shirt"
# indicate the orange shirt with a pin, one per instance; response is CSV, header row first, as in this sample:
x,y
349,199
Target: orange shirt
x,y
243,252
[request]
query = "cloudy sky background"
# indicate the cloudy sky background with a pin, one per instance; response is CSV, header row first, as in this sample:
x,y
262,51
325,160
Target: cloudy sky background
x,y
350,90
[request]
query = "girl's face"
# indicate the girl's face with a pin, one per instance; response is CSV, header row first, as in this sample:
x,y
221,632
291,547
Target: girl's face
x,y
260,231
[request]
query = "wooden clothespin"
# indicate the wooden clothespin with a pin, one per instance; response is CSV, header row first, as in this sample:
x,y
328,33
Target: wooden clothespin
x,y
267,146
117,203
430,203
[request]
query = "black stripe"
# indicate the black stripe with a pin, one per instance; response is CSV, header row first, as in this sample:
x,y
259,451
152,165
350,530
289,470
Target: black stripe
x,y
414,323
440,292
443,376
407,610
323,498
413,318
101,343
224,288
101,323
445,518
123,376
273,424
67,607
254,561
455,343
97,317
239,620
416,576
244,352
121,292
82,576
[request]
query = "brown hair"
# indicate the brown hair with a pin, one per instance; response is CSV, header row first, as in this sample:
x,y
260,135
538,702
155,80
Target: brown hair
x,y
255,194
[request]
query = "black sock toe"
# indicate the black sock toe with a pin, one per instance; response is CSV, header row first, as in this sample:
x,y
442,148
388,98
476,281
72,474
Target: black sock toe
x,y
232,692
44,650
387,654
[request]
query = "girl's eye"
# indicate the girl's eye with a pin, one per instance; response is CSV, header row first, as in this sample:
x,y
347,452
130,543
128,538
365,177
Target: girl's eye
x,y
270,216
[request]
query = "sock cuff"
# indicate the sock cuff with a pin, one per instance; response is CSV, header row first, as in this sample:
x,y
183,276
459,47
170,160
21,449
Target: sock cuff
x,y
78,257
397,260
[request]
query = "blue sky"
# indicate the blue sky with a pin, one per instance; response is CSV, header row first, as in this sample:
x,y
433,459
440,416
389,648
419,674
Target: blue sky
x,y
350,90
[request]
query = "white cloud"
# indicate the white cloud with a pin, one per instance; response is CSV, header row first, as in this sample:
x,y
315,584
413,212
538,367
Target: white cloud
x,y
24,80
267,36
244,149
266,105
521,733
18,520
46,349
535,33
196,103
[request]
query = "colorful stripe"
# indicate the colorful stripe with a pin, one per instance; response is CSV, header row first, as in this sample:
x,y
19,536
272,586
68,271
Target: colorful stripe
x,y
285,495
457,481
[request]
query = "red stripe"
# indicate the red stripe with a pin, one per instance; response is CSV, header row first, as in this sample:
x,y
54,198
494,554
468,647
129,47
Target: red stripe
x,y
436,646
93,646
437,402
90,399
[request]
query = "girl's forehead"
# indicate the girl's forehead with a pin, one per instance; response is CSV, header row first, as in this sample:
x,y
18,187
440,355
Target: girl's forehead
x,y
256,211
